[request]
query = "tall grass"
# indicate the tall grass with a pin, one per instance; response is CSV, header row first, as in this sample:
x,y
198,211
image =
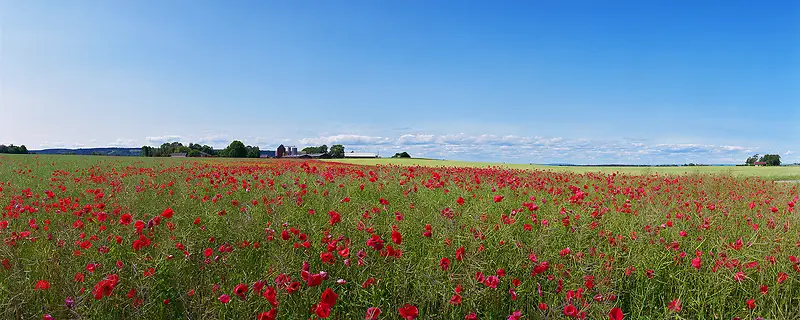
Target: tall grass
x,y
635,235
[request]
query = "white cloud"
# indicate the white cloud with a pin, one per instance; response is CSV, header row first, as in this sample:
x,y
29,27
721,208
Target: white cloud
x,y
733,148
488,147
214,140
346,139
158,140
124,143
416,139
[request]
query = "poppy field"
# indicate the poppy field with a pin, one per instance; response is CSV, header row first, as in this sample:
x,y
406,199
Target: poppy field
x,y
134,238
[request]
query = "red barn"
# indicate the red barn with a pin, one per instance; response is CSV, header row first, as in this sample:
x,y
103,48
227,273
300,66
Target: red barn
x,y
281,152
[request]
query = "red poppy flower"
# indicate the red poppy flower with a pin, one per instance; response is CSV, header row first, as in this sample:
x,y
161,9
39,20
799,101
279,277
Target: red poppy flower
x,y
444,263
335,217
125,219
492,282
240,290
327,257
782,276
167,213
460,254
480,277
455,299
570,311
696,263
42,285
224,298
105,286
542,306
375,242
408,312
269,315
396,237
367,283
327,301
271,295
616,314
329,297
372,313
314,280
674,305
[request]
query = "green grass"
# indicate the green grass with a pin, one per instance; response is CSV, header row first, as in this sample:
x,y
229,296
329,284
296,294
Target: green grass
x,y
639,223
768,173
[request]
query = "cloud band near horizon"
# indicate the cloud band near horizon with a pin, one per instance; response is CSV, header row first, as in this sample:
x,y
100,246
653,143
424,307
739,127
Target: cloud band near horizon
x,y
488,147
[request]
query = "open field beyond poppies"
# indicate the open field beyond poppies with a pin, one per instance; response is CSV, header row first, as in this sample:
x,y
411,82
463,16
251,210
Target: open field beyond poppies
x,y
783,173
145,238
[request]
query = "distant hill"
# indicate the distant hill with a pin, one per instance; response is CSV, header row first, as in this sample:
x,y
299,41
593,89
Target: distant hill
x,y
129,152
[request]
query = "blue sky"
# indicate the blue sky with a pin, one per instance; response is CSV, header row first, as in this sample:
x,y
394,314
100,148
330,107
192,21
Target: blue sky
x,y
511,81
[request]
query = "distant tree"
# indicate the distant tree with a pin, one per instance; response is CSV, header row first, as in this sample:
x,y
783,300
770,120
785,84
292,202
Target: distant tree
x,y
164,150
208,149
12,149
337,151
771,159
752,160
147,151
236,150
195,153
309,150
253,152
401,155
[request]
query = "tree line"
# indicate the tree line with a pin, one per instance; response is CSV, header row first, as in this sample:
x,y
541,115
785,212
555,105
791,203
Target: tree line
x,y
336,150
767,159
192,150
12,149
236,149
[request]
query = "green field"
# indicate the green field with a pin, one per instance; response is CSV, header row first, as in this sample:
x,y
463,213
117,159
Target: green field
x,y
770,173
93,237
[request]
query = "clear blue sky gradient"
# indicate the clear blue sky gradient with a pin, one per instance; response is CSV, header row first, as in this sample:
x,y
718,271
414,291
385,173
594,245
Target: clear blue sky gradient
x,y
516,81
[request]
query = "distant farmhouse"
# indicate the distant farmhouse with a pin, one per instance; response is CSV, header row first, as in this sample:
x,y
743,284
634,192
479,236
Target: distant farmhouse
x,y
291,152
280,152
178,155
